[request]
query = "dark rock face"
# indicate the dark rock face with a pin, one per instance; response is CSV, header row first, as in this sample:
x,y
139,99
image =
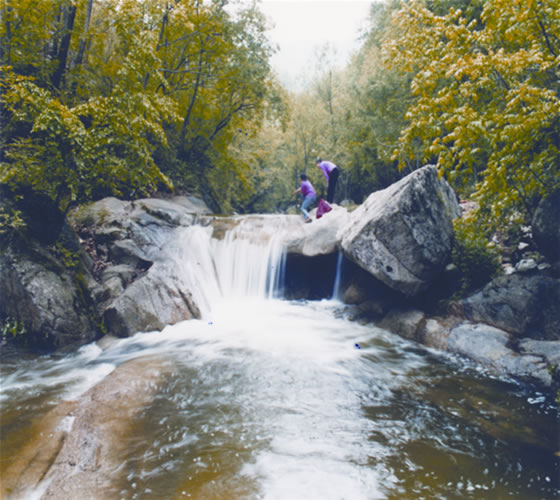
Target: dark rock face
x,y
402,235
546,227
525,305
50,300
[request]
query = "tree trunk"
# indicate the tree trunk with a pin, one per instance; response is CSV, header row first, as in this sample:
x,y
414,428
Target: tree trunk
x,y
84,40
69,15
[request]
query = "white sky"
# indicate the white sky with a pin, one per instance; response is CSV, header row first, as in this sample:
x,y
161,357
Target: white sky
x,y
299,28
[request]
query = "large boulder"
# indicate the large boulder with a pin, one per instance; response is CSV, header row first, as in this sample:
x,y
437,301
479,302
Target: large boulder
x,y
523,304
48,301
403,234
151,302
489,346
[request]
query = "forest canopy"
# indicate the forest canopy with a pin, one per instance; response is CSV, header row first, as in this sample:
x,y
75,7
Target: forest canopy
x,y
129,97
124,97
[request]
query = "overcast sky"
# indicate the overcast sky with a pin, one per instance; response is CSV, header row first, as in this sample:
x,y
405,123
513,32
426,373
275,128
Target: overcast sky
x,y
301,27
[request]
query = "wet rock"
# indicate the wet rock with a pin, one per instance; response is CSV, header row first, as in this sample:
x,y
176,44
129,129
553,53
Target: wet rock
x,y
45,293
525,265
489,346
402,235
548,349
127,252
436,331
320,237
405,323
138,291
151,302
83,453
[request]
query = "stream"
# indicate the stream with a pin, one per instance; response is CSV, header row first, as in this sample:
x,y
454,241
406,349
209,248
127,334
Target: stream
x,y
276,399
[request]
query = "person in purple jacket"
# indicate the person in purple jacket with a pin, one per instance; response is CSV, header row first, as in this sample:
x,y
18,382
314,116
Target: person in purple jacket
x,y
308,195
331,173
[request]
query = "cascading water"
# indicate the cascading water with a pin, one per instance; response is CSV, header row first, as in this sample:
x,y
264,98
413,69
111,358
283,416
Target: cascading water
x,y
241,266
338,277
272,399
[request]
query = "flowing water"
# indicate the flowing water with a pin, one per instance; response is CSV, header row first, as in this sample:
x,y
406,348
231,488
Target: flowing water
x,y
272,399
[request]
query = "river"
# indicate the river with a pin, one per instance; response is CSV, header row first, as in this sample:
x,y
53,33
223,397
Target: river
x,y
276,399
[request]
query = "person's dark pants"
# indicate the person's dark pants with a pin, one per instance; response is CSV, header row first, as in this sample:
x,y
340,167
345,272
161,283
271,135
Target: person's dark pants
x,y
333,177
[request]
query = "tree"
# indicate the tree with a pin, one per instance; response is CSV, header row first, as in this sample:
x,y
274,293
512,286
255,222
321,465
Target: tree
x,y
119,96
486,100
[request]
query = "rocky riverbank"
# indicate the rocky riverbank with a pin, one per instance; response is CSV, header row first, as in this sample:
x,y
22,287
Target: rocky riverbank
x,y
106,270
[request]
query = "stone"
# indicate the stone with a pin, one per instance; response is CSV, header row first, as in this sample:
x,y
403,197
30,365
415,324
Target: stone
x,y
405,323
45,289
321,237
403,235
523,304
489,346
525,265
83,453
152,302
435,334
548,349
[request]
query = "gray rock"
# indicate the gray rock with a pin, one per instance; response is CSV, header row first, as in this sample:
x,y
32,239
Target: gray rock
x,y
152,302
169,211
435,334
523,304
525,265
129,253
548,349
321,237
480,342
50,300
403,234
489,346
124,272
405,323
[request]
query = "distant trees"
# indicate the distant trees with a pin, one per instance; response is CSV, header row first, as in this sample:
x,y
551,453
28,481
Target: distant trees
x,y
120,96
470,85
124,97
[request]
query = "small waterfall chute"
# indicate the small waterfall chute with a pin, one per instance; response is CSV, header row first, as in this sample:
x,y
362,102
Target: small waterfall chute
x,y
245,263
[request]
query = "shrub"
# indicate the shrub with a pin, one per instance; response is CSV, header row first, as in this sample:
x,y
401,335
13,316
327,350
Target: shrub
x,y
475,258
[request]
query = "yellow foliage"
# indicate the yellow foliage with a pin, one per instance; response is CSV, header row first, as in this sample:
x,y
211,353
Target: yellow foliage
x,y
485,97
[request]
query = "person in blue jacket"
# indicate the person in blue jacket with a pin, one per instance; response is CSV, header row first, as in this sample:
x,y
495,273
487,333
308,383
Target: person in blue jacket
x,y
308,195
330,170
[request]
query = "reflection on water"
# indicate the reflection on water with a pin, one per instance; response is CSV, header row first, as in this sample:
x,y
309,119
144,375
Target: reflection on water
x,y
288,400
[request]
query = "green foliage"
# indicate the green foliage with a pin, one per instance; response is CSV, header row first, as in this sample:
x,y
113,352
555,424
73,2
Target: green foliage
x,y
116,97
485,103
477,261
10,220
11,328
70,161
68,257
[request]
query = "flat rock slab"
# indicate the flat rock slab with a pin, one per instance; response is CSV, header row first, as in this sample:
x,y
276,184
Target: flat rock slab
x,y
488,346
75,451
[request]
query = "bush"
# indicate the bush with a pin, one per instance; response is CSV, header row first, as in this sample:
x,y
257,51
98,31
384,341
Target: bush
x,y
475,258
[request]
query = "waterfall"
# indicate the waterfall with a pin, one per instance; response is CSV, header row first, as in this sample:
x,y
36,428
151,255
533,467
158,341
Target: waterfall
x,y
336,286
248,262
